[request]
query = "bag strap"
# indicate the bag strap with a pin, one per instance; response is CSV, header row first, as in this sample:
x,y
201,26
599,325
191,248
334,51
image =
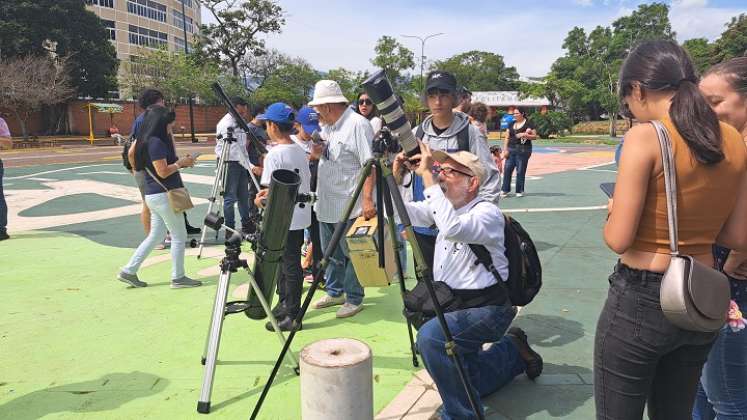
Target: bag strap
x,y
670,184
419,132
484,258
463,139
155,178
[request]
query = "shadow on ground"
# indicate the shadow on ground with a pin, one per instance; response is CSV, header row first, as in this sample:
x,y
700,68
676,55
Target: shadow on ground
x,y
106,393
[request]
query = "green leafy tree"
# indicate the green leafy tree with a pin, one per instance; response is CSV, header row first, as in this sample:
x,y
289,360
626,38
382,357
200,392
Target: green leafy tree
x,y
349,81
66,28
177,76
393,57
733,41
551,123
700,51
291,83
240,22
480,70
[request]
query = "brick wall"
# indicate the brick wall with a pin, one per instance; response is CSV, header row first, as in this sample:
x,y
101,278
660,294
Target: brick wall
x,y
205,117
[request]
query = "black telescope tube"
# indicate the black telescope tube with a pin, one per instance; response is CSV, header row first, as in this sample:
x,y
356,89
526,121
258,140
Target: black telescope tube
x,y
258,145
276,220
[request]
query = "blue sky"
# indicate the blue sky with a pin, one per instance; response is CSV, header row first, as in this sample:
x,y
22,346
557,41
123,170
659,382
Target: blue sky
x,y
527,33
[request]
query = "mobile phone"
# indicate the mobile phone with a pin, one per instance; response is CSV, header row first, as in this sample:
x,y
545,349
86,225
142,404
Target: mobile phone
x,y
196,155
608,188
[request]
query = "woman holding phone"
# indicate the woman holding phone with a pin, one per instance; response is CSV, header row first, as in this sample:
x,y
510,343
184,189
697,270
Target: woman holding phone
x,y
155,154
640,357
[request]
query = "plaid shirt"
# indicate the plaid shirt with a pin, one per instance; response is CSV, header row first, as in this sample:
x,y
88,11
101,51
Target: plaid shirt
x,y
348,148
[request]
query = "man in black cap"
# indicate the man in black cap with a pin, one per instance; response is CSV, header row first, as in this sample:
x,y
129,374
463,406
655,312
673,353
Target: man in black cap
x,y
464,100
449,131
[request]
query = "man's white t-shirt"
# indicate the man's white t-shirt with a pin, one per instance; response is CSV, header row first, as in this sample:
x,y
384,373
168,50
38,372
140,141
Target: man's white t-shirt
x,y
291,157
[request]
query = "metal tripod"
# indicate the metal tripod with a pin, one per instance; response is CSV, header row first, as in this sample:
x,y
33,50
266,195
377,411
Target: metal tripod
x,y
219,185
231,263
424,271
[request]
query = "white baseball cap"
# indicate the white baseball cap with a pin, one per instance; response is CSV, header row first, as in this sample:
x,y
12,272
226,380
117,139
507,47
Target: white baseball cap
x,y
327,92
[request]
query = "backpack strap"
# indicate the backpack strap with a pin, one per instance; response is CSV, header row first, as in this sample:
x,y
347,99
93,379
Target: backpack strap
x,y
463,139
484,258
419,133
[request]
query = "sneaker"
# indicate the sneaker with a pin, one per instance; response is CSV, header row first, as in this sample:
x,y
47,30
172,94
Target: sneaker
x,y
531,357
520,194
328,301
286,324
503,194
191,230
184,282
130,279
348,310
4,236
279,311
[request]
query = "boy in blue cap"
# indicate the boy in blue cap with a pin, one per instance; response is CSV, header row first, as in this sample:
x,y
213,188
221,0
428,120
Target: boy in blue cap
x,y
307,122
286,154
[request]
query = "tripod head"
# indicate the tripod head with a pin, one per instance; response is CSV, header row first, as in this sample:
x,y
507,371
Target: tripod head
x,y
229,138
386,141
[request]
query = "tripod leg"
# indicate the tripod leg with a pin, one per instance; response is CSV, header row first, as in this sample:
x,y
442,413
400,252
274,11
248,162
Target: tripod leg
x,y
333,243
216,189
211,358
266,306
425,274
387,199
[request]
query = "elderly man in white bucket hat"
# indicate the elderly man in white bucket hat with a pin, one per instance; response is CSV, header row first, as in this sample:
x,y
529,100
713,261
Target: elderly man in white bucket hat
x,y
347,147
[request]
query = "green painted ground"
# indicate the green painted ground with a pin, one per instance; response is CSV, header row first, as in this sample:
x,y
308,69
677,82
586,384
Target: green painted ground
x,y
75,343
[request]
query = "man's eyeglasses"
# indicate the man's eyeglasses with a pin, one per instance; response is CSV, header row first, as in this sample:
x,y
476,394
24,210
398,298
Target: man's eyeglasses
x,y
364,102
448,170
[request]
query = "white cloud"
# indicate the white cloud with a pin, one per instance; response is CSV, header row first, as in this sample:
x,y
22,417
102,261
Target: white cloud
x,y
694,19
584,2
686,4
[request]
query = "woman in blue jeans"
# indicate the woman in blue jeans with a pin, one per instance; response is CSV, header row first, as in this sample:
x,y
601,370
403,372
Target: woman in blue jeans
x,y
517,149
723,385
155,154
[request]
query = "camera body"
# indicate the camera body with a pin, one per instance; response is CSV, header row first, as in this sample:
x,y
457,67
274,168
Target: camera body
x,y
386,142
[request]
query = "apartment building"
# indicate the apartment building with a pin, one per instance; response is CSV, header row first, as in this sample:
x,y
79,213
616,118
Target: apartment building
x,y
137,24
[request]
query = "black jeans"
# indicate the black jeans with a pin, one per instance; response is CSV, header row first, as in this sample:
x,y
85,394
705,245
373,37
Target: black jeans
x,y
290,283
3,204
316,244
640,358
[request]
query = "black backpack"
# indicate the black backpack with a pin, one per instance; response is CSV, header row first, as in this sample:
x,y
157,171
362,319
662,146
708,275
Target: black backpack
x,y
524,267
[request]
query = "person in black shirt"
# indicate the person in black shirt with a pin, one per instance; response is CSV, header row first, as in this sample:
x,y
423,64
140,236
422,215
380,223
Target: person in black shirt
x,y
517,149
155,154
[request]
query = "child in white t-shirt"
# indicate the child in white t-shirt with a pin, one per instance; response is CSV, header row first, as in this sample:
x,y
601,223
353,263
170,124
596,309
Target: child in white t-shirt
x,y
286,154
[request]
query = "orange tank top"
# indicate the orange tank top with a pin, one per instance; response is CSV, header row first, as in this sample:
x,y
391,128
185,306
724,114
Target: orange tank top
x,y
706,195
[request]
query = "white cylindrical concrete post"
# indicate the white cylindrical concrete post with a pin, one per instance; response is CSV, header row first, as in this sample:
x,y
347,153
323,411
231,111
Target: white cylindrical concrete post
x,y
336,380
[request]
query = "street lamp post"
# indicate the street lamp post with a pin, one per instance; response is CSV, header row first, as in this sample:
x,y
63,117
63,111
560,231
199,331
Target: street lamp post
x,y
186,52
422,52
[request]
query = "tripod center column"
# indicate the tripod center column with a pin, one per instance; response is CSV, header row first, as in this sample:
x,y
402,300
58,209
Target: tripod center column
x,y
341,368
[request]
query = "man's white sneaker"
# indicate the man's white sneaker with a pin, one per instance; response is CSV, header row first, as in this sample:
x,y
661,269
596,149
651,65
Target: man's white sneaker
x,y
503,194
327,301
348,310
520,194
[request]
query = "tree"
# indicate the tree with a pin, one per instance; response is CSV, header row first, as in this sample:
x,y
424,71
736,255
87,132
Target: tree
x,y
33,27
349,81
27,83
700,51
178,76
291,83
239,24
733,41
480,70
393,58
588,72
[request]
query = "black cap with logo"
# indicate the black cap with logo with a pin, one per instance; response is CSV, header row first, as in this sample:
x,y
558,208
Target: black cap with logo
x,y
441,80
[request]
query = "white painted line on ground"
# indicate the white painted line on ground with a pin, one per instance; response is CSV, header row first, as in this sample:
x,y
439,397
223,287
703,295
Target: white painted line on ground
x,y
43,179
61,170
586,168
600,170
554,209
105,173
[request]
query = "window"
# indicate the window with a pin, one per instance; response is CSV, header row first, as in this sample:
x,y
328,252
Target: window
x,y
147,8
179,44
109,25
147,37
187,3
178,22
102,3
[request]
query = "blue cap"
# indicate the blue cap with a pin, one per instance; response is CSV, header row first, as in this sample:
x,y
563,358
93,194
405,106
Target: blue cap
x,y
309,119
278,113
